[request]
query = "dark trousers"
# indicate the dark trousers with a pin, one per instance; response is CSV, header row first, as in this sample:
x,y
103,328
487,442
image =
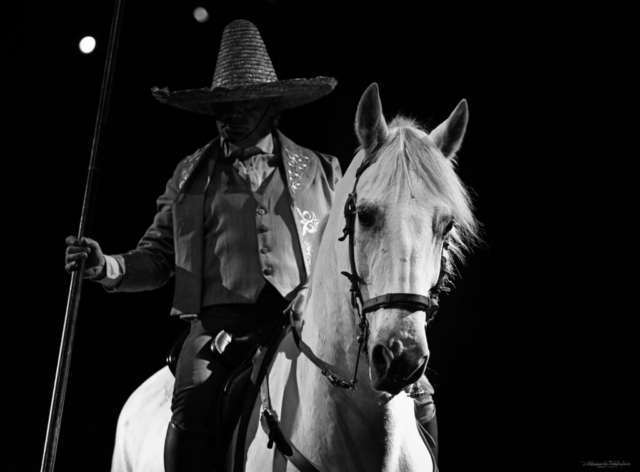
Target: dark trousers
x,y
202,371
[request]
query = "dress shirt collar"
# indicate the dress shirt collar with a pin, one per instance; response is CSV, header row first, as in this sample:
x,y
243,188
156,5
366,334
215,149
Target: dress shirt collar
x,y
265,145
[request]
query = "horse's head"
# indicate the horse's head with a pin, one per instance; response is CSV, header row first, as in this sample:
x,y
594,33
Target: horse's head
x,y
413,217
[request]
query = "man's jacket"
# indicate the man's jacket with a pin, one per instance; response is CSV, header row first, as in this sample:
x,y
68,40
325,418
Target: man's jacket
x,y
174,244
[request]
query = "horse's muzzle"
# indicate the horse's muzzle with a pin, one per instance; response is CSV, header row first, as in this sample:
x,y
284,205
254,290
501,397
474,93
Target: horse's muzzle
x,y
391,372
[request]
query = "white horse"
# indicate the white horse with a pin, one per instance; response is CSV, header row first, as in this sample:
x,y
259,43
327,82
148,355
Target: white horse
x,y
413,218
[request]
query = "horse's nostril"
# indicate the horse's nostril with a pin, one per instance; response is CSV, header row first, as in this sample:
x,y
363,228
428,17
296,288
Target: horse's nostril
x,y
381,358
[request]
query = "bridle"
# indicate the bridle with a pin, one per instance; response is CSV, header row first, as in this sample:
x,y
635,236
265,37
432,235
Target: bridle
x,y
409,301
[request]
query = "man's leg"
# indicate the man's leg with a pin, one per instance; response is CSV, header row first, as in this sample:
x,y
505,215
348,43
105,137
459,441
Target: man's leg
x,y
200,376
191,435
188,451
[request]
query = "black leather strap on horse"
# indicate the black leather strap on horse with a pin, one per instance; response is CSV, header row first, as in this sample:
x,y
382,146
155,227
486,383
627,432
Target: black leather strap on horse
x,y
401,300
336,380
416,302
429,442
261,362
271,427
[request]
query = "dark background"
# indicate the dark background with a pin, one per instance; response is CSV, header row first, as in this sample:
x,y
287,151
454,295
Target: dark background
x,y
531,352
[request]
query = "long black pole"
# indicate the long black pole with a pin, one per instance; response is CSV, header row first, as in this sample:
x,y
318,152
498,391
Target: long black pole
x,y
73,301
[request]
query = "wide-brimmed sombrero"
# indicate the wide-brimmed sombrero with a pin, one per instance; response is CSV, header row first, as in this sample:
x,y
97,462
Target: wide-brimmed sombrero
x,y
244,71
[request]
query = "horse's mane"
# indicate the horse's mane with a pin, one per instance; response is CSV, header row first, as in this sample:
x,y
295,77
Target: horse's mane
x,y
409,147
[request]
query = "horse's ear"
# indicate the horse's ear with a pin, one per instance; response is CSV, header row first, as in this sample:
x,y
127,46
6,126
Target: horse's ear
x,y
370,125
448,135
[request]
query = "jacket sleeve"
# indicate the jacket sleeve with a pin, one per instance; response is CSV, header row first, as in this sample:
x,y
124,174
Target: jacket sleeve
x,y
152,263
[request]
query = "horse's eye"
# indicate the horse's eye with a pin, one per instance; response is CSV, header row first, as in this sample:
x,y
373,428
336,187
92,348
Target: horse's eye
x,y
449,227
367,217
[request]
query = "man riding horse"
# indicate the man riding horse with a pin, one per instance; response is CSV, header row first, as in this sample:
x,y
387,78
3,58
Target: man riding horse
x,y
235,226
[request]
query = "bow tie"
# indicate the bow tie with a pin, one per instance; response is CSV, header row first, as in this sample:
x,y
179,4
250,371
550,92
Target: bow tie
x,y
242,154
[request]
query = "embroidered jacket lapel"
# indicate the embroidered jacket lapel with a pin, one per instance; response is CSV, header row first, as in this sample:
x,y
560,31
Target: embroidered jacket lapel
x,y
299,164
308,202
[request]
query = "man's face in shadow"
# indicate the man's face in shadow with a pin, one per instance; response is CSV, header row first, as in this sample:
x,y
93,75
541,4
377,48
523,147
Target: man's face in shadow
x,y
243,122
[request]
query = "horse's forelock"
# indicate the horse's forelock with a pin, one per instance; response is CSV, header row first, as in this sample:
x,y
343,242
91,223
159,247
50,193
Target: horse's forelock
x,y
409,146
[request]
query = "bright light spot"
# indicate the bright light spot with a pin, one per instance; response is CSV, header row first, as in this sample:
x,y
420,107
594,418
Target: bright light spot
x,y
87,44
200,14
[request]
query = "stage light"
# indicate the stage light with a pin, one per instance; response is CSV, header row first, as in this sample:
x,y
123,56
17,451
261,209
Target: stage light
x,y
200,14
87,44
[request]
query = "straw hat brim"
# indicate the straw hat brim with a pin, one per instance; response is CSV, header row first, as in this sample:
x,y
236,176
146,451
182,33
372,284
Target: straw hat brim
x,y
292,93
